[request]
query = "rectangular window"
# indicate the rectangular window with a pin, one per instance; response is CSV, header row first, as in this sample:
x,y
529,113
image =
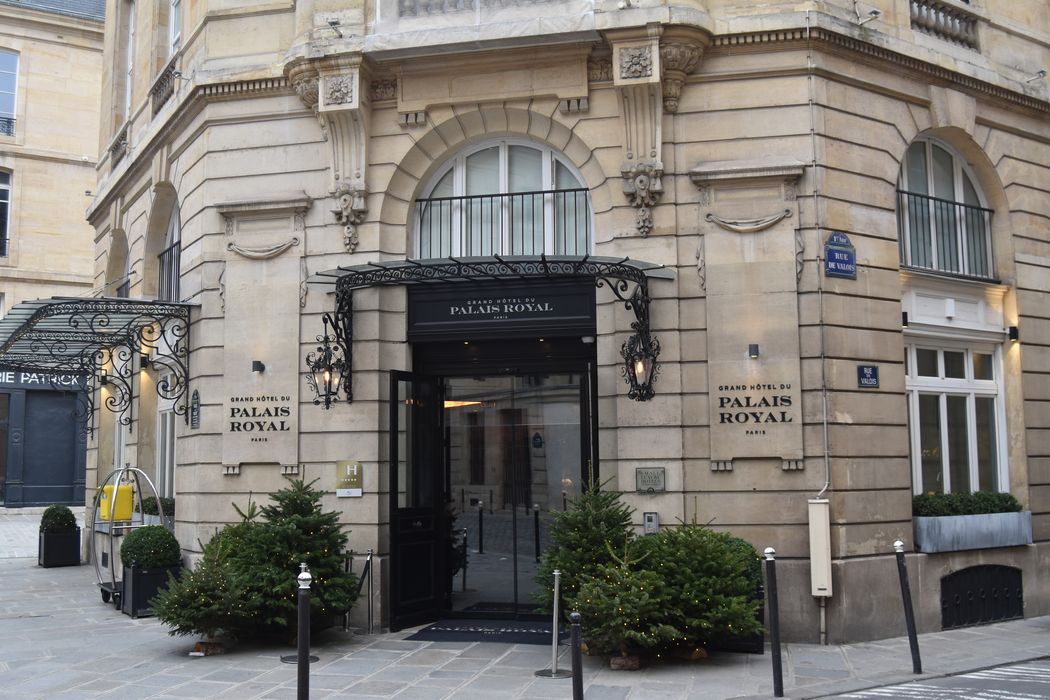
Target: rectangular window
x,y
956,417
174,27
166,453
8,91
129,55
5,213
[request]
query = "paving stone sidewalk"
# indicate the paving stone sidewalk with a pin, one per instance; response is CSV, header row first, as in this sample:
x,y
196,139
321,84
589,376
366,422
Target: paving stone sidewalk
x,y
59,640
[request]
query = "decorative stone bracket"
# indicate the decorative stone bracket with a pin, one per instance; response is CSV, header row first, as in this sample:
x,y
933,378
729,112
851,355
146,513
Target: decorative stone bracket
x,y
337,91
649,68
642,184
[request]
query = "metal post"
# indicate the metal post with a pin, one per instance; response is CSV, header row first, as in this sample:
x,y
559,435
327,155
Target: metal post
x,y
774,621
553,671
555,621
536,529
464,560
481,527
492,500
577,657
370,596
909,614
303,684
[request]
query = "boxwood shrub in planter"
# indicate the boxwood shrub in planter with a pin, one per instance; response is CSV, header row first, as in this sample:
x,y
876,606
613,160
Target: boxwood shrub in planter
x,y
151,555
151,511
951,522
59,543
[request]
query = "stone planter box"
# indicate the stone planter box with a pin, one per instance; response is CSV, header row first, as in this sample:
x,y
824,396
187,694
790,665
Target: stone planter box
x,y
953,533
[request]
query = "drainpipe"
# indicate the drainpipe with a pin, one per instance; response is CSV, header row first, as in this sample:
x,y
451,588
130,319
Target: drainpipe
x,y
810,68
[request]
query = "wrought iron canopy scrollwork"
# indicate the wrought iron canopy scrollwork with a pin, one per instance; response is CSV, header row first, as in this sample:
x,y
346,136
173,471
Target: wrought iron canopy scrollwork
x,y
628,280
98,339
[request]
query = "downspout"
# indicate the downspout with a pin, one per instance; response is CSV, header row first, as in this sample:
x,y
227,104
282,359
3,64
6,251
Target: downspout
x,y
810,69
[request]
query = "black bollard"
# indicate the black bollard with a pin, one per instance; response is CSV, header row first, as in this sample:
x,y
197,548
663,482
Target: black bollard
x,y
303,683
774,621
493,500
577,657
909,614
536,529
481,527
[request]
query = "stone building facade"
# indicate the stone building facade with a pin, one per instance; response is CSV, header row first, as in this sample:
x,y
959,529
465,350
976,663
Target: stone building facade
x,y
771,267
50,80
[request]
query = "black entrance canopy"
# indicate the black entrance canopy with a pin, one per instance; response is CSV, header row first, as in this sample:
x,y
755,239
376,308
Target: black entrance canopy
x,y
628,279
99,339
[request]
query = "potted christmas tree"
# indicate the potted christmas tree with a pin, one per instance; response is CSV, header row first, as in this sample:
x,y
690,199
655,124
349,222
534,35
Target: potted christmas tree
x,y
151,555
59,543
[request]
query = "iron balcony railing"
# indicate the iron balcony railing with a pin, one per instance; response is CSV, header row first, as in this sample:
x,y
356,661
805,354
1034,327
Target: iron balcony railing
x,y
556,222
7,126
944,236
169,272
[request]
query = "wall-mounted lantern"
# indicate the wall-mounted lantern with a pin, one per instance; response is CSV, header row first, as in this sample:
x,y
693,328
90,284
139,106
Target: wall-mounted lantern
x,y
327,366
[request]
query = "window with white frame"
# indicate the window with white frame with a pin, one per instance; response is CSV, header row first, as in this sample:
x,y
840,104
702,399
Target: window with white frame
x,y
957,422
129,55
166,445
5,213
509,197
174,26
942,223
8,91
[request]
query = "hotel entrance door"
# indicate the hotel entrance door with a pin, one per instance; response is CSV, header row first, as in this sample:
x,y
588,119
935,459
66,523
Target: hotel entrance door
x,y
516,451
485,446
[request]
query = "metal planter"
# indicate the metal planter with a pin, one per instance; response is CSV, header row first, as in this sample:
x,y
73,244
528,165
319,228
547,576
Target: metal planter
x,y
953,533
59,549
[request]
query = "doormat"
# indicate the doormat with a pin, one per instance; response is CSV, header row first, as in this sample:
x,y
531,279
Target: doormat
x,y
502,608
504,631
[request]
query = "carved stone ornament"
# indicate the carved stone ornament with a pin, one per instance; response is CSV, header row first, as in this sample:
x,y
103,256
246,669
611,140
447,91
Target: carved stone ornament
x,y
384,89
350,212
748,225
306,88
339,90
264,252
642,184
677,60
599,69
636,62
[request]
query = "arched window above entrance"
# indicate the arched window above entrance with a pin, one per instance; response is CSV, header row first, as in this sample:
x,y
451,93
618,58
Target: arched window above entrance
x,y
508,197
941,221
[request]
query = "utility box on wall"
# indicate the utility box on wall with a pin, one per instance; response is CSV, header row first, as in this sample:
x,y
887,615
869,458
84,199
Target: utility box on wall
x,y
820,547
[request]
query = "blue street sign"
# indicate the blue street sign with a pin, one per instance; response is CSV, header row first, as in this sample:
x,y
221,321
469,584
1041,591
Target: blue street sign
x,y
868,376
840,257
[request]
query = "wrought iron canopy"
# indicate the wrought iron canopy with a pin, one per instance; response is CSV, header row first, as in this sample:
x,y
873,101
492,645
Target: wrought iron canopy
x,y
85,336
628,279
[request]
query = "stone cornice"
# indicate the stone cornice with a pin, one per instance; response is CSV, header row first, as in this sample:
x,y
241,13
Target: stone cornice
x,y
775,39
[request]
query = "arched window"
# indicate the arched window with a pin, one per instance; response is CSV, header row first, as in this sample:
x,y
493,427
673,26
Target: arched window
x,y
510,197
941,223
168,259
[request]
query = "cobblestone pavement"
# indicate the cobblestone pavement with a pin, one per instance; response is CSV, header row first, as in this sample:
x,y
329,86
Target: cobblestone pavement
x,y
58,640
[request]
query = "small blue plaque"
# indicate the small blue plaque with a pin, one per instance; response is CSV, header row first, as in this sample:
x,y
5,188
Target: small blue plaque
x,y
868,376
840,257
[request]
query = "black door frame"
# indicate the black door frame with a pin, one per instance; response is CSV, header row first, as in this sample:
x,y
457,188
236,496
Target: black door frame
x,y
421,528
512,357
